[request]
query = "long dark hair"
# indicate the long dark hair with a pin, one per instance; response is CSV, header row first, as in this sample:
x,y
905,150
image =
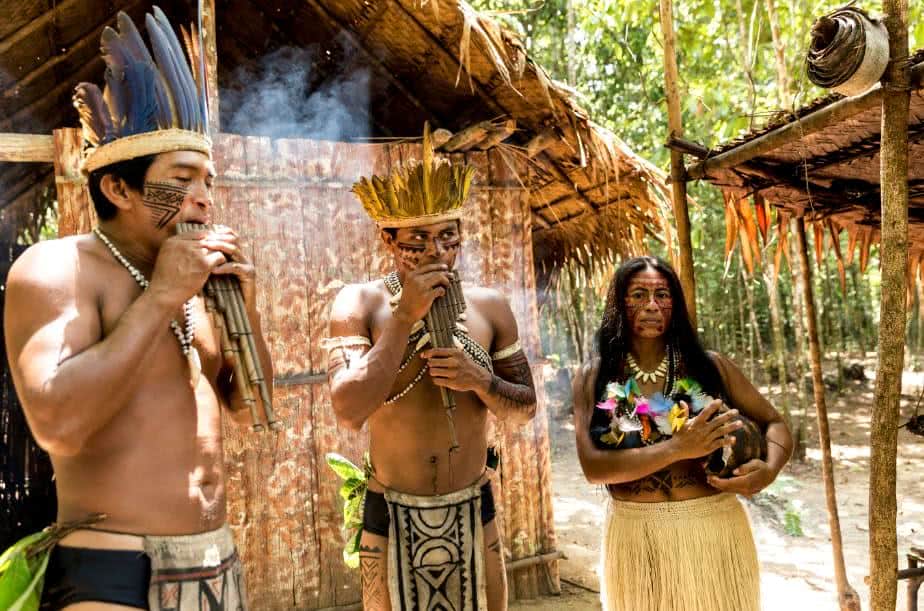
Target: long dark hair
x,y
615,333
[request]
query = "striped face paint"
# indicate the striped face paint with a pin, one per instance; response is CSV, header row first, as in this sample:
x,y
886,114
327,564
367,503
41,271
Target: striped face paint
x,y
428,244
163,200
649,303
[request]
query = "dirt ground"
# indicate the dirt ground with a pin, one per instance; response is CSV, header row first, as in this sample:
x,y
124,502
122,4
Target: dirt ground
x,y
796,570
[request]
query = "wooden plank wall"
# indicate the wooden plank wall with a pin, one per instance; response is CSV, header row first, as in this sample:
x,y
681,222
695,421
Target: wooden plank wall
x,y
308,236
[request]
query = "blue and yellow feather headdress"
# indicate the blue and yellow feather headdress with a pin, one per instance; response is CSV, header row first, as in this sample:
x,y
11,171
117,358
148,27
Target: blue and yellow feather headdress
x,y
152,103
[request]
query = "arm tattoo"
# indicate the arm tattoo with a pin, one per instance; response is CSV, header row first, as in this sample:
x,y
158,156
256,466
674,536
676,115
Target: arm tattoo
x,y
512,383
373,579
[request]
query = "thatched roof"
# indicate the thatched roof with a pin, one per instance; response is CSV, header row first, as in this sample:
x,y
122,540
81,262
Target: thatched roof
x,y
831,173
442,62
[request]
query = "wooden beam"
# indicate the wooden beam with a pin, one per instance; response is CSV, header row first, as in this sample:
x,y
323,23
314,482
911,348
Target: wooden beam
x,y
678,171
27,148
797,129
94,67
34,25
90,39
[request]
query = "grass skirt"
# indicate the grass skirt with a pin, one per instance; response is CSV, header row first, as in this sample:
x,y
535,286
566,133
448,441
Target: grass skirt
x,y
695,555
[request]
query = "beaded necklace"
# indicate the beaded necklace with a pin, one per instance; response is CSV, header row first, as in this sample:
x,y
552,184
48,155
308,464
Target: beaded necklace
x,y
185,334
478,354
649,377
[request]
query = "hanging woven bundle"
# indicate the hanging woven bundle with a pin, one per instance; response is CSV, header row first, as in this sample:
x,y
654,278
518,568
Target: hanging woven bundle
x,y
849,51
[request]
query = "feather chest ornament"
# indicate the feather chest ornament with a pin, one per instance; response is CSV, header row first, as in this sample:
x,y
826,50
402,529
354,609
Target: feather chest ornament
x,y
626,419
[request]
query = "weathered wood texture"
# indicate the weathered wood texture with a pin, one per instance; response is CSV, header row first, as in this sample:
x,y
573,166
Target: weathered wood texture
x,y
75,212
26,147
308,236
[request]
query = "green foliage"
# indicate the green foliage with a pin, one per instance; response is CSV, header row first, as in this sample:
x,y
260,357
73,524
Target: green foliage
x,y
792,521
353,492
22,574
610,52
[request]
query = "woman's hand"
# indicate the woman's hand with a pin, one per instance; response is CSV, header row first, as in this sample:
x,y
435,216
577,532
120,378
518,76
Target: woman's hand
x,y
750,478
703,434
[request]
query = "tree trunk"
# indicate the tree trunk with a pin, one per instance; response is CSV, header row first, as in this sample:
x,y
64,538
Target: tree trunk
x,y
571,67
798,302
779,339
893,256
758,342
782,74
920,317
831,308
678,171
847,596
577,318
743,330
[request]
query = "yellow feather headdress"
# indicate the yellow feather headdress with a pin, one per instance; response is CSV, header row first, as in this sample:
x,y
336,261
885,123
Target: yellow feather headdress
x,y
421,193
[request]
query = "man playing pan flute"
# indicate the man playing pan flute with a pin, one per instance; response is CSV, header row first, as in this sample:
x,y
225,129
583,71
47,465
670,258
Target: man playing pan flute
x,y
429,538
113,354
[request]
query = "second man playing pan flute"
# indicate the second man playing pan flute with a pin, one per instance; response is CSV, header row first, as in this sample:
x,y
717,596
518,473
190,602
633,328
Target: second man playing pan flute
x,y
384,370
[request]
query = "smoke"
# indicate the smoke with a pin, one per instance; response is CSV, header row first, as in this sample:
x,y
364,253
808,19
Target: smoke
x,y
285,97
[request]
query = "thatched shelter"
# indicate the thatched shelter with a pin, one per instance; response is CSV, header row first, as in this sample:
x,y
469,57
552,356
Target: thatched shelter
x,y
442,62
550,183
821,162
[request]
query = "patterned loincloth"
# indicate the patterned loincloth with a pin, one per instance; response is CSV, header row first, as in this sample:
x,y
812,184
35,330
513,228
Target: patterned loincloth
x,y
195,572
436,551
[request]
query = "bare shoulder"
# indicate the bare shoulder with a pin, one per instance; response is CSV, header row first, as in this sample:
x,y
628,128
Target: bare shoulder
x,y
490,300
586,374
725,365
357,301
54,265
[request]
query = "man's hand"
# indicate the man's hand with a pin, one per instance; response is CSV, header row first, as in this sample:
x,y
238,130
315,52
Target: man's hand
x,y
750,478
420,288
454,369
225,240
183,265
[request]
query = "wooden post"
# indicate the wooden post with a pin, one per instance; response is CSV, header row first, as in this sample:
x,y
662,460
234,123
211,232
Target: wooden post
x,y
75,210
847,596
678,172
210,51
893,254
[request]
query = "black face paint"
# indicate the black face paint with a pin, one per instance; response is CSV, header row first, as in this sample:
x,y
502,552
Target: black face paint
x,y
410,254
164,200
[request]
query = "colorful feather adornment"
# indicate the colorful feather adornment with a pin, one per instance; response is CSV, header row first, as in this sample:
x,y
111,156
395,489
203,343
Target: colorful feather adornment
x,y
145,91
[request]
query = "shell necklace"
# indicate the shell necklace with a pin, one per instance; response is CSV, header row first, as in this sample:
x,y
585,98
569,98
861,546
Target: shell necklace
x,y
649,377
184,335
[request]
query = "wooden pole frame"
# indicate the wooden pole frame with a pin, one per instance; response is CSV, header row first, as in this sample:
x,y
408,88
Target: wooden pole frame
x,y
893,254
678,171
799,128
847,596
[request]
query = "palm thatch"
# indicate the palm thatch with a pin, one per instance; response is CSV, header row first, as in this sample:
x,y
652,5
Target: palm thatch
x,y
438,60
829,176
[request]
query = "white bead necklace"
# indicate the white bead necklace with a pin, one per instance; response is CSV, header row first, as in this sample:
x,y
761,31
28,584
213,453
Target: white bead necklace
x,y
649,377
186,333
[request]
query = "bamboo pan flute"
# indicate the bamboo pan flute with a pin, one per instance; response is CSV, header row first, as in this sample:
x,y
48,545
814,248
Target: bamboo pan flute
x,y
441,323
225,302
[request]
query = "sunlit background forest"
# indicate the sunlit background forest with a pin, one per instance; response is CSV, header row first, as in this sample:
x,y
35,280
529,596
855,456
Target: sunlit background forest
x,y
610,52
